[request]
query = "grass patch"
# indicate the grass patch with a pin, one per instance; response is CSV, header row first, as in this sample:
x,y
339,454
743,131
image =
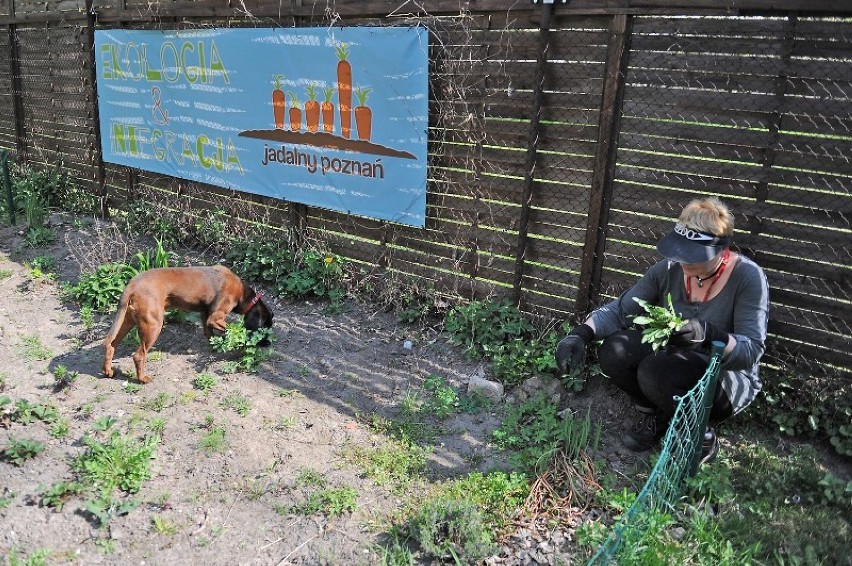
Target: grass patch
x,y
397,462
237,402
214,440
34,349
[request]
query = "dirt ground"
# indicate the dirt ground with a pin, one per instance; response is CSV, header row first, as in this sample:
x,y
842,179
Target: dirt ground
x,y
310,404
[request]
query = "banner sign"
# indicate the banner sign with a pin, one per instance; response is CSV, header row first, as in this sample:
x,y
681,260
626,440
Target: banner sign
x,y
329,117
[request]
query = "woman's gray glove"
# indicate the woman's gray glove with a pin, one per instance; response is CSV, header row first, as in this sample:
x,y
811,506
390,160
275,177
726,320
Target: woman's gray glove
x,y
696,333
571,350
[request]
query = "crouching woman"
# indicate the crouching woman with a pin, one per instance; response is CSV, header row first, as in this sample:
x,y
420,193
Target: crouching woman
x,y
722,295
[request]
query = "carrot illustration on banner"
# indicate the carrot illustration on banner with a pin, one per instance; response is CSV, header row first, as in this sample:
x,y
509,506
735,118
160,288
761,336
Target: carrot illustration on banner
x,y
363,114
327,108
344,89
312,109
278,102
295,113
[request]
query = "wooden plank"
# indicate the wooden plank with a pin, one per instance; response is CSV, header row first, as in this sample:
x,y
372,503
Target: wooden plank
x,y
719,63
659,106
680,46
733,26
699,149
690,131
696,100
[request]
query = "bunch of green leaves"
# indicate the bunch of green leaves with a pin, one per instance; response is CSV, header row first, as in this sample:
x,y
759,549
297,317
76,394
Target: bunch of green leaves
x,y
482,325
18,452
100,290
291,272
118,463
105,508
245,344
658,323
57,495
25,412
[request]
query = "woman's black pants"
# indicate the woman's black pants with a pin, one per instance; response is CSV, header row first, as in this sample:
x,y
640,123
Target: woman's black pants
x,y
653,379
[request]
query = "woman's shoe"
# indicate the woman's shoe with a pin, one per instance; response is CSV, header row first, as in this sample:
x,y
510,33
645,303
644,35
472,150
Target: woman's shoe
x,y
709,446
645,432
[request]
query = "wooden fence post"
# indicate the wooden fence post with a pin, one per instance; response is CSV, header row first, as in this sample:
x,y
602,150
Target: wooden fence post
x,y
532,150
17,89
600,199
98,155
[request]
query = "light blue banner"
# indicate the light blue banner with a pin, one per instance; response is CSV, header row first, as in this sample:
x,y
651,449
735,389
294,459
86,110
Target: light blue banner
x,y
329,117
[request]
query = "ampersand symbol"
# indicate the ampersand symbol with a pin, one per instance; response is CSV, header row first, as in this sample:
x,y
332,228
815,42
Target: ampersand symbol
x,y
163,117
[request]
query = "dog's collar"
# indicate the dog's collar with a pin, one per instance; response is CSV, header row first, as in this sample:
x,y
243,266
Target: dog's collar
x,y
251,304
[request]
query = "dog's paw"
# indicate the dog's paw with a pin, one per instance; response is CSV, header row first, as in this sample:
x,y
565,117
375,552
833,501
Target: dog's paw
x,y
145,379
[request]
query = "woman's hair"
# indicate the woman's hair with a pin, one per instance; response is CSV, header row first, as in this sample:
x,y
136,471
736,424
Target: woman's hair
x,y
708,215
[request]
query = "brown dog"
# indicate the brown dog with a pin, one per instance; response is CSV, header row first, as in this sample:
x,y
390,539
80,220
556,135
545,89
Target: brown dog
x,y
213,291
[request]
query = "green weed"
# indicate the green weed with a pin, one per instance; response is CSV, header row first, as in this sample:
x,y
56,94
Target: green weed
x,y
37,558
204,382
25,412
7,498
293,273
100,290
163,526
534,432
331,502
396,462
104,508
60,428
237,402
214,440
42,267
57,495
18,452
63,377
443,400
34,349
499,332
118,463
244,344
160,402
452,529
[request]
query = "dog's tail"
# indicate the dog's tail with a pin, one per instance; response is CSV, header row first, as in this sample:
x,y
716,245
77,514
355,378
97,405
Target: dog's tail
x,y
123,305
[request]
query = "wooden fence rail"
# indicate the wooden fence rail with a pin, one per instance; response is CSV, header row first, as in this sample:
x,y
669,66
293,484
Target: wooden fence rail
x,y
564,139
